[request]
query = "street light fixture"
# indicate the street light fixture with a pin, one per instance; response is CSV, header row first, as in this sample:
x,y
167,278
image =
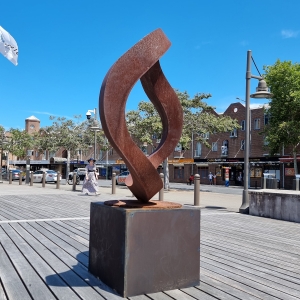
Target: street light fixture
x,y
262,91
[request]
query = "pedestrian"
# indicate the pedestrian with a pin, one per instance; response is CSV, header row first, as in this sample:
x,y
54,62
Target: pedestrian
x,y
215,179
210,177
90,184
191,179
239,178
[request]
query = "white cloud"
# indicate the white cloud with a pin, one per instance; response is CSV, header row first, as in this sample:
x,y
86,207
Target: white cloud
x,y
50,114
286,34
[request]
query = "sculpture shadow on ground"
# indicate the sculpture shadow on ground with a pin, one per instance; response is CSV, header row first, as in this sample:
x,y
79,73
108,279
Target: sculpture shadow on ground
x,y
215,207
79,276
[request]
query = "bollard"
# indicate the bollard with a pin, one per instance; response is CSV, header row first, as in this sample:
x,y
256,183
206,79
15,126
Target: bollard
x,y
58,180
44,179
10,177
161,192
197,190
20,179
265,182
74,182
297,184
113,183
31,178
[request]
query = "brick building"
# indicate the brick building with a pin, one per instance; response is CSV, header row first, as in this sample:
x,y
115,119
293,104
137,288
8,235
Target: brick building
x,y
226,152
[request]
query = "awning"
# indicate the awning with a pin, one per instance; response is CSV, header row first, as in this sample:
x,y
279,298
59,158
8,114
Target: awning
x,y
178,165
202,165
55,160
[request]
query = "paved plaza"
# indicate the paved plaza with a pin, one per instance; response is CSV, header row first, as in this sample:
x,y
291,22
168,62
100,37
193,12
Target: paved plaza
x,y
44,239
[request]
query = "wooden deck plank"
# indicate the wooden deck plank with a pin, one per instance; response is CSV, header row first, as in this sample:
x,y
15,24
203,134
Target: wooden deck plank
x,y
54,281
277,274
82,257
228,287
78,224
14,286
33,283
68,275
159,296
285,251
177,294
80,244
273,282
72,229
209,290
73,263
270,263
251,281
2,293
235,283
140,297
200,294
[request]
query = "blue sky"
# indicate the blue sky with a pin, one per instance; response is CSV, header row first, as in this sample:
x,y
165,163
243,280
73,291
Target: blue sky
x,y
66,48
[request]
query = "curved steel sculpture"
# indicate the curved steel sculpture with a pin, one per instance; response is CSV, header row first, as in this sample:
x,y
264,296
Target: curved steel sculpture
x,y
141,62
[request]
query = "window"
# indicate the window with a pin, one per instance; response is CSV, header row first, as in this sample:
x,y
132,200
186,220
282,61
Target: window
x,y
203,172
242,145
178,148
178,172
111,151
256,123
266,118
233,133
214,146
243,125
224,148
205,135
198,149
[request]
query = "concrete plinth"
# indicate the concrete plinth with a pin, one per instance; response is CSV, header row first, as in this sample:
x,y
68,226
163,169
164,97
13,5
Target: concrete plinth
x,y
139,251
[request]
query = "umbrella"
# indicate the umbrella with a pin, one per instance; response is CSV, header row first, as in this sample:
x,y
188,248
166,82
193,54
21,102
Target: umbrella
x,y
8,46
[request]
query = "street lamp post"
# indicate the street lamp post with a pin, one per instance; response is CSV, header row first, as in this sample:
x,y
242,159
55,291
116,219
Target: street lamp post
x,y
262,91
94,128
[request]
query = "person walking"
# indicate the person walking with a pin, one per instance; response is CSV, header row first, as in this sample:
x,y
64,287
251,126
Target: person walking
x,y
191,179
210,177
215,179
90,184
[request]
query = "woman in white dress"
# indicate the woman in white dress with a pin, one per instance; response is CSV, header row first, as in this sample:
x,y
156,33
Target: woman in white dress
x,y
90,184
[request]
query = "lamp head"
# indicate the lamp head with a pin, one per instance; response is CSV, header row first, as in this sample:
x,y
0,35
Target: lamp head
x,y
88,115
262,91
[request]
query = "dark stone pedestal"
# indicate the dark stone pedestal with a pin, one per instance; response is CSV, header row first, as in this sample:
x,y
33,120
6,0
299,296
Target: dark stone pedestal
x,y
138,251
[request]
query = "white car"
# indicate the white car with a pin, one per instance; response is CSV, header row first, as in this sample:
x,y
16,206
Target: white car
x,y
120,179
51,176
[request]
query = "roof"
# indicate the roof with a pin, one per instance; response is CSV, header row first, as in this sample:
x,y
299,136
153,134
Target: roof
x,y
32,118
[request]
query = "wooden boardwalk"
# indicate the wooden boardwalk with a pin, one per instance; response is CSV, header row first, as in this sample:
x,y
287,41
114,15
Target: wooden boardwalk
x,y
44,254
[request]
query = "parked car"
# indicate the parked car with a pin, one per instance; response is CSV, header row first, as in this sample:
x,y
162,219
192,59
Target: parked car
x,y
51,176
81,172
78,171
120,179
15,175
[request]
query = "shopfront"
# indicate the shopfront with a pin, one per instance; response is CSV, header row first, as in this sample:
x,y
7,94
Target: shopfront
x,y
233,169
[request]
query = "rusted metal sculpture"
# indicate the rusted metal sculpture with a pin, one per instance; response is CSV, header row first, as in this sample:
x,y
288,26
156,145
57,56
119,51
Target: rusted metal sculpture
x,y
141,62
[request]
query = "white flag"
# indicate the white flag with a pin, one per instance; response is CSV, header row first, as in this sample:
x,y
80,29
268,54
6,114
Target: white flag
x,y
8,46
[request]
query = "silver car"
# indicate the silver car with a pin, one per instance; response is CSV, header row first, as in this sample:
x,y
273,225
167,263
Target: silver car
x,y
51,176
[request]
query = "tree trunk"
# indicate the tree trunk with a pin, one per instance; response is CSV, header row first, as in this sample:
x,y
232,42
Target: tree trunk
x,y
68,164
295,162
166,174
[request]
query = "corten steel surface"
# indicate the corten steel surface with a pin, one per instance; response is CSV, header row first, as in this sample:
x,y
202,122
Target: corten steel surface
x,y
135,204
141,62
139,251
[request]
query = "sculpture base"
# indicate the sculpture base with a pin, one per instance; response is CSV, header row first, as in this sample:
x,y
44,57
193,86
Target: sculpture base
x,y
145,250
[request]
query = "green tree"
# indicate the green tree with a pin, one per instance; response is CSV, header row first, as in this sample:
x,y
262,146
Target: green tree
x,y
68,134
283,129
19,141
199,119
